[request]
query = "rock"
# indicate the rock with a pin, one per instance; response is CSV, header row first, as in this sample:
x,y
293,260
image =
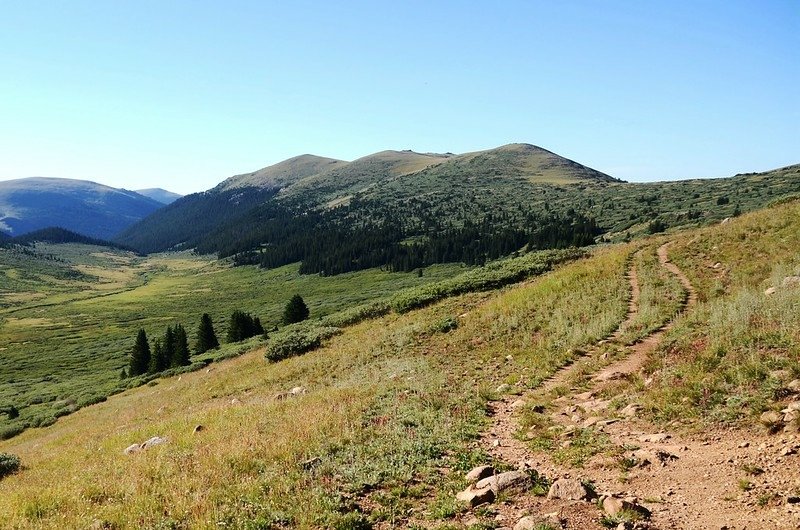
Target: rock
x,y
479,473
155,440
791,281
769,291
717,265
197,429
591,421
475,497
793,499
518,403
510,480
631,410
788,450
645,457
296,391
771,419
794,386
235,401
531,522
725,221
614,505
570,489
133,448
655,438
502,389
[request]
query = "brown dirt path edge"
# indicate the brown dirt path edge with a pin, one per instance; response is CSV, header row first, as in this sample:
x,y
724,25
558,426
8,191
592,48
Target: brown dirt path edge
x,y
700,489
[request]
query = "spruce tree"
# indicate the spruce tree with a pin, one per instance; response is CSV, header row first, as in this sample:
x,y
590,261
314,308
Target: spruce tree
x,y
158,360
180,356
296,310
206,337
140,355
169,346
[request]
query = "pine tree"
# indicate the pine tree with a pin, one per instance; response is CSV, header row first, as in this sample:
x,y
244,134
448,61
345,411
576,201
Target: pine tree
x,y
169,346
140,355
296,310
158,360
206,337
180,356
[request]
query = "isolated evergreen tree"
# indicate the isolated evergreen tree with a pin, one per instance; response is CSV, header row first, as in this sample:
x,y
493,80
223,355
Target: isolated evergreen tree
x,y
206,337
243,326
158,360
296,310
257,328
140,355
180,355
123,374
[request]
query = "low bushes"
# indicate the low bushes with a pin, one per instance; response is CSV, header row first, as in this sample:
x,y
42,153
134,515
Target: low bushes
x,y
8,464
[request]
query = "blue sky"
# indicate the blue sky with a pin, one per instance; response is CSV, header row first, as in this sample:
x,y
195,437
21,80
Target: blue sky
x,y
181,95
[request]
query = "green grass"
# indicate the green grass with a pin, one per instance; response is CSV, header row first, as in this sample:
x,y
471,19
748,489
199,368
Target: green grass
x,y
388,408
720,362
66,335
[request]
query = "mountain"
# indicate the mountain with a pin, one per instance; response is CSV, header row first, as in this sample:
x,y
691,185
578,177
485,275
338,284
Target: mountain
x,y
283,173
293,193
81,206
161,195
403,210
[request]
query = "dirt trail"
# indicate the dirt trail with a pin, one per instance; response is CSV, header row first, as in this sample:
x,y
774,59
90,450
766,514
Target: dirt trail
x,y
692,482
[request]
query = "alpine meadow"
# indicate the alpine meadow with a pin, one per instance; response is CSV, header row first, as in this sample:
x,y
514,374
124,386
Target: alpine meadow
x,y
261,267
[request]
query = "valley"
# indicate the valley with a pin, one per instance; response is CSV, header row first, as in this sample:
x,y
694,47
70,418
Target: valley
x,y
674,344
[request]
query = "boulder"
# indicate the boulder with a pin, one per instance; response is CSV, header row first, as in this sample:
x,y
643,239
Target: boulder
x,y
479,473
516,480
475,497
570,489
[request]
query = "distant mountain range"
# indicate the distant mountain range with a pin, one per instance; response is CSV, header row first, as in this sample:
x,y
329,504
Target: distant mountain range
x,y
88,208
161,195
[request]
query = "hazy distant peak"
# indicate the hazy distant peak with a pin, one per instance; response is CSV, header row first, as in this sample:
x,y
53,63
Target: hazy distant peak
x,y
160,194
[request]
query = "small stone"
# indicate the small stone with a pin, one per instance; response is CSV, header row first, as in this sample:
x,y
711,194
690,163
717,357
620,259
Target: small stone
x,y
794,386
479,473
297,391
570,489
791,281
518,403
533,523
197,429
614,505
155,440
655,438
769,291
788,450
744,445
591,421
496,443
235,401
502,389
133,448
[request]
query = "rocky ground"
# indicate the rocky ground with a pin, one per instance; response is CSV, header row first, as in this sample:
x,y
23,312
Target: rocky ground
x,y
644,477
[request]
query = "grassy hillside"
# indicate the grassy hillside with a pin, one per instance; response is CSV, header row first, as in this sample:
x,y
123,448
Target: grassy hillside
x,y
392,406
69,313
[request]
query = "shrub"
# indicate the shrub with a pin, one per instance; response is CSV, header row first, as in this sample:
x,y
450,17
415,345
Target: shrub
x,y
296,341
8,464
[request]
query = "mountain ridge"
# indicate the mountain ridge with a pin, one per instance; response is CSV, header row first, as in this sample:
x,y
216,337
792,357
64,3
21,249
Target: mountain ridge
x,y
83,206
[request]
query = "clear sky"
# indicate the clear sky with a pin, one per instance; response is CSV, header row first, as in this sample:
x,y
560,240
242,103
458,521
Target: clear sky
x,y
182,94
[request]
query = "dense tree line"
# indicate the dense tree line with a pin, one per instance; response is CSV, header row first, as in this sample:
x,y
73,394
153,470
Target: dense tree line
x,y
170,351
